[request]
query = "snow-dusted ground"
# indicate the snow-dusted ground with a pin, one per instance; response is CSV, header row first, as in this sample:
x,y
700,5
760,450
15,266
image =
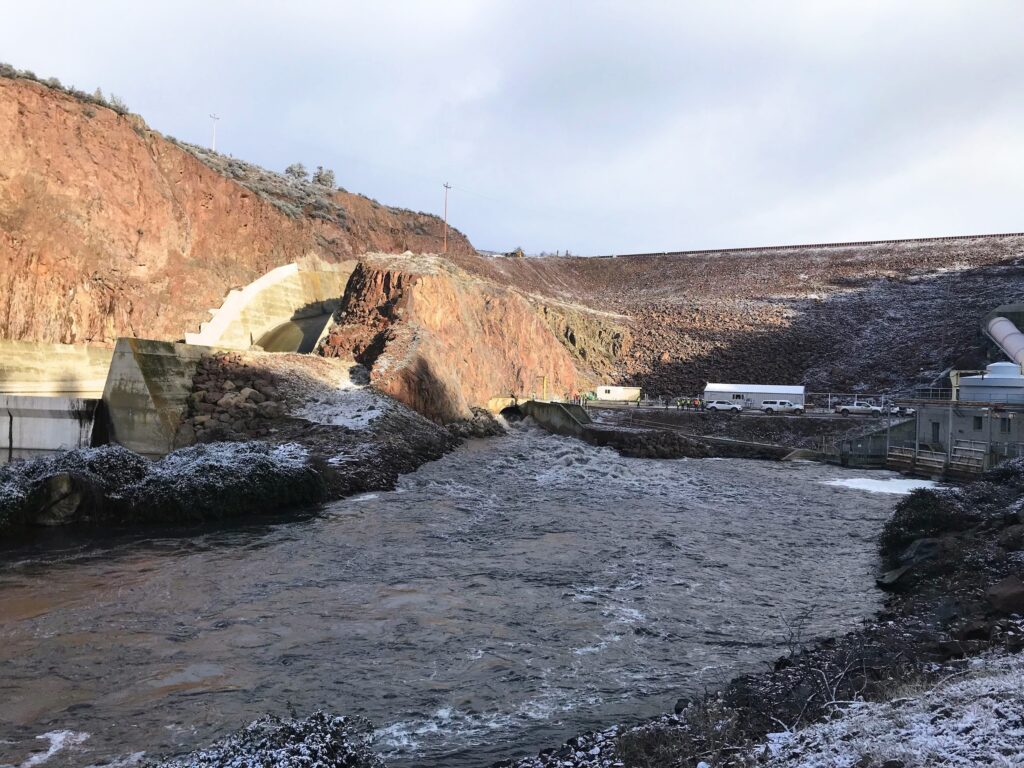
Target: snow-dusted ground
x,y
349,405
327,391
971,718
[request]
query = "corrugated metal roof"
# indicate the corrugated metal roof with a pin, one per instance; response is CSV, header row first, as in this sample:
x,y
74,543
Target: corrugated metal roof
x,y
755,389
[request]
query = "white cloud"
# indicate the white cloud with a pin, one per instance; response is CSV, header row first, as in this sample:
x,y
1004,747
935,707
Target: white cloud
x,y
597,126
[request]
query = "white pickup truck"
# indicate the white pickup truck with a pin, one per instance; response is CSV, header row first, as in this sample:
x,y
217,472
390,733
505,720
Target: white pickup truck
x,y
781,406
859,407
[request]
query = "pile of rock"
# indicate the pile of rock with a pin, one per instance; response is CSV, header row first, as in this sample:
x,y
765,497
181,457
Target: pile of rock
x,y
231,399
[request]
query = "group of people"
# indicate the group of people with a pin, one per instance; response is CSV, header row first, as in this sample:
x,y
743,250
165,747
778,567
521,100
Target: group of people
x,y
686,403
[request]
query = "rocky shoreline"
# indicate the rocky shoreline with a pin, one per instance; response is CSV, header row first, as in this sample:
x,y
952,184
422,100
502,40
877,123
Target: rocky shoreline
x,y
945,643
269,439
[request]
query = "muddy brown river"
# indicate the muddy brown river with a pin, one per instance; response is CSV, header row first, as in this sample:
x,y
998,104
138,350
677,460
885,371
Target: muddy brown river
x,y
520,590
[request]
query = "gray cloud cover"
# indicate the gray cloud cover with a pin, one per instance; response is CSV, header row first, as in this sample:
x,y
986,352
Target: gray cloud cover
x,y
596,126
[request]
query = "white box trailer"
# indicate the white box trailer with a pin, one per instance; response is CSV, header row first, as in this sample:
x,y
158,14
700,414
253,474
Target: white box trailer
x,y
752,395
618,394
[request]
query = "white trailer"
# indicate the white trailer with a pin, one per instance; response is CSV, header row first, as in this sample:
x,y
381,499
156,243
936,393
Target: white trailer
x,y
618,394
752,395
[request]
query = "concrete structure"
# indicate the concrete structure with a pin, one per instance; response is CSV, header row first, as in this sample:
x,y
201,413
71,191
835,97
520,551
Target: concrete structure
x,y
617,394
752,395
563,419
286,310
53,370
147,391
31,425
1001,383
960,439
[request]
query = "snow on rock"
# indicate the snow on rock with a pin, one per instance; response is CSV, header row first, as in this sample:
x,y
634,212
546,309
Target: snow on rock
x,y
107,468
325,391
347,406
215,480
317,741
971,718
59,741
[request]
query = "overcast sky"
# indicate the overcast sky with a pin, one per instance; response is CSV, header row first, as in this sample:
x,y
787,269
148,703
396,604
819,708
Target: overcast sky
x,y
598,127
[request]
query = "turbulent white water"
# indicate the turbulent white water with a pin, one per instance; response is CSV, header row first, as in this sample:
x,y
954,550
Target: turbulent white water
x,y
517,591
897,485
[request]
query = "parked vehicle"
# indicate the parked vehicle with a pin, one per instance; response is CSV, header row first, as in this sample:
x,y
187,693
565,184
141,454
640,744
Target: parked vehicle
x,y
900,410
859,408
781,406
723,405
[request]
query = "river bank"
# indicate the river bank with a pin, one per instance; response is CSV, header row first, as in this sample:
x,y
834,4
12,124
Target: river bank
x,y
936,663
274,432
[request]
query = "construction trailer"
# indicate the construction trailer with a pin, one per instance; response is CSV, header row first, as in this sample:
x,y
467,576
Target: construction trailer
x,y
752,395
614,394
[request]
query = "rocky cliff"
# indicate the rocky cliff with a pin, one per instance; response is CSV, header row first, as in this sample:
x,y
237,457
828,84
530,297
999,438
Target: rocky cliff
x,y
108,228
445,341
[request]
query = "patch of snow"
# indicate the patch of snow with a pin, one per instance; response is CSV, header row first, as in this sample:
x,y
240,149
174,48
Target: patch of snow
x,y
59,740
898,485
347,406
201,459
972,718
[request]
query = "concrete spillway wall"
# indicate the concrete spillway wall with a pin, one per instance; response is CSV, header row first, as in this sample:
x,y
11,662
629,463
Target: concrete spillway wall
x,y
30,425
53,370
147,391
291,293
561,418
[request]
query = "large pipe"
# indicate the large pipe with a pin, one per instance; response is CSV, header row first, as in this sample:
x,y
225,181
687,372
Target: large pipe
x,y
1005,334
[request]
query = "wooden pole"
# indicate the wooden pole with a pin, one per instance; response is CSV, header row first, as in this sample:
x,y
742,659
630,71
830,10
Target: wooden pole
x,y
447,186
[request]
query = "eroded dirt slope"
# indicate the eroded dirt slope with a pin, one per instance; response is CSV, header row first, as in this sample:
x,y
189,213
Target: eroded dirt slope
x,y
444,341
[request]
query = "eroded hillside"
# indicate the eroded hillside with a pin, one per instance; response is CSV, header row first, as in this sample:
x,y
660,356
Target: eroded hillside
x,y
842,318
444,341
109,229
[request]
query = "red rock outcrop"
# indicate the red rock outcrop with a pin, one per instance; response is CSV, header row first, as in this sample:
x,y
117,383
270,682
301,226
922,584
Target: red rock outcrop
x,y
443,341
109,229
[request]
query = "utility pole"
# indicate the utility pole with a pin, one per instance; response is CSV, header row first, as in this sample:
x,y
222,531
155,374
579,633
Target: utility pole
x,y
447,186
213,145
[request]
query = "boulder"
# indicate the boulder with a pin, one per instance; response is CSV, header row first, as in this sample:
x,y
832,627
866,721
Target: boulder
x,y
55,501
250,394
921,550
1012,538
1007,595
270,409
227,385
229,400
